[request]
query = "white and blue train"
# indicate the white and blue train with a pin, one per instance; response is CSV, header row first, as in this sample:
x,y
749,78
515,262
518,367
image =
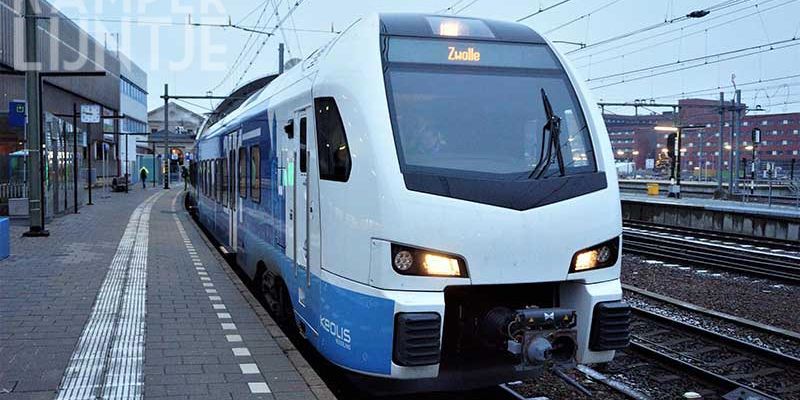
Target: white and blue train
x,y
430,200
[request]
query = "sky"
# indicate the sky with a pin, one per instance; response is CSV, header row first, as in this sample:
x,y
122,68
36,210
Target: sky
x,y
634,49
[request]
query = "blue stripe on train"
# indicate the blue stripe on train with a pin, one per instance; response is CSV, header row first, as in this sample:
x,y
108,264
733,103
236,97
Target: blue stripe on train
x,y
354,330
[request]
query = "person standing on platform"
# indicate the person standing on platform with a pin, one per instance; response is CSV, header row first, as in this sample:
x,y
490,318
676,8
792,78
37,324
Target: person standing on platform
x,y
143,177
185,177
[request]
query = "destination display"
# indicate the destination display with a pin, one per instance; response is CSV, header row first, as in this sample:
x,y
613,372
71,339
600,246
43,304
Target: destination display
x,y
460,52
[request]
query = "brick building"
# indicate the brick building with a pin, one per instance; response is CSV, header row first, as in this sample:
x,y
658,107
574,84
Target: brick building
x,y
633,138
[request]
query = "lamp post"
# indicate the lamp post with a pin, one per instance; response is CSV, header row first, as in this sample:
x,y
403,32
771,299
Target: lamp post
x,y
678,150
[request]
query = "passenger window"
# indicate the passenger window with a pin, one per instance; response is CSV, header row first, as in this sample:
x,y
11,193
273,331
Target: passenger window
x,y
303,145
255,174
332,148
243,172
232,179
224,163
219,182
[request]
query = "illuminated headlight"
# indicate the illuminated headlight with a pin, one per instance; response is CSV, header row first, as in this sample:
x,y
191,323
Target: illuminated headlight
x,y
600,256
411,261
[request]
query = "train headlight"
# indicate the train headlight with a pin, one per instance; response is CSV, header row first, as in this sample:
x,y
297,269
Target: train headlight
x,y
434,264
600,256
411,261
403,260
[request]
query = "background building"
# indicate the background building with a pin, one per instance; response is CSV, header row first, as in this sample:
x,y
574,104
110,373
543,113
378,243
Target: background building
x,y
183,126
634,139
63,47
133,105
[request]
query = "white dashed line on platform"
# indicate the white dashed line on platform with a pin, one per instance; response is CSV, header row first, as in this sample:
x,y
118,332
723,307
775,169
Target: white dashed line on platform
x,y
233,338
258,387
249,369
241,352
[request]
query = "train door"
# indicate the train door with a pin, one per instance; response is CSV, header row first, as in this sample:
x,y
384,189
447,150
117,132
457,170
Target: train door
x,y
305,221
232,153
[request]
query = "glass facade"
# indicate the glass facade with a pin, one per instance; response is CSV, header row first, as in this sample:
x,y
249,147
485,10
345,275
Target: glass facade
x,y
134,92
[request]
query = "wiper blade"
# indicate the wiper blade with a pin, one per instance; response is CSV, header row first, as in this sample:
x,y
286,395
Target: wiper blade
x,y
551,137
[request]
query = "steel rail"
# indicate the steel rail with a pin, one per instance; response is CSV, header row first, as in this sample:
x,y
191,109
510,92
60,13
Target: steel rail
x,y
773,356
718,380
726,237
713,314
670,356
699,254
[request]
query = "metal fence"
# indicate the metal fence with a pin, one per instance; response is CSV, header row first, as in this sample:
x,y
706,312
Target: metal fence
x,y
13,191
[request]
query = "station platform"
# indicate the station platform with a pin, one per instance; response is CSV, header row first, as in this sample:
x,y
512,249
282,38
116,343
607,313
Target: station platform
x,y
128,300
718,205
742,219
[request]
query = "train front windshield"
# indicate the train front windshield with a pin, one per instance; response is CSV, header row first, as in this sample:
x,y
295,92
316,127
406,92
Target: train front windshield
x,y
475,109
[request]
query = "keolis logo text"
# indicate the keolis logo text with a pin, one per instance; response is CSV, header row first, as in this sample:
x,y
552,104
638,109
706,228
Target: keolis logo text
x,y
341,334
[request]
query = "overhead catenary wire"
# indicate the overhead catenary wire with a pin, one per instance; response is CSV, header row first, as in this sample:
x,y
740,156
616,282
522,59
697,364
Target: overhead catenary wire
x,y
246,45
718,6
249,49
720,88
542,10
679,29
261,5
704,30
195,105
694,66
283,32
245,28
576,19
450,8
297,4
760,48
468,5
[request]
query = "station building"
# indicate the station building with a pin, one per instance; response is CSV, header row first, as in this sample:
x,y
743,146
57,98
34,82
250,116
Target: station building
x,y
133,106
63,47
183,127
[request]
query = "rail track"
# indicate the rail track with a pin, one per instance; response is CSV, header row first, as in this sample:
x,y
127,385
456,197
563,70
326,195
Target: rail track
x,y
766,244
731,364
710,250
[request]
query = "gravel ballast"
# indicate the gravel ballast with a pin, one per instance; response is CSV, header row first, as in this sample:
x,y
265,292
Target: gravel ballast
x,y
758,299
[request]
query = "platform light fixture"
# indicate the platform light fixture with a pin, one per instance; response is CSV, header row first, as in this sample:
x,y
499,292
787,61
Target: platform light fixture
x,y
666,128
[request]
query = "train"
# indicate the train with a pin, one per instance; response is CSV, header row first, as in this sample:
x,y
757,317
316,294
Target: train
x,y
430,201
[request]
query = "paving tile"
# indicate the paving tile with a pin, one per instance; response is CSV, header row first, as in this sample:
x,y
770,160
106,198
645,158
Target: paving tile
x,y
204,338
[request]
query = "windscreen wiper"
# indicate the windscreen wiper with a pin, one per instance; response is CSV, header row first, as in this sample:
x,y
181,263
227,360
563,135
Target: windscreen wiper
x,y
551,137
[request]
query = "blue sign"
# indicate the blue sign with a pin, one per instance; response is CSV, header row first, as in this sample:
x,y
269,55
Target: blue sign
x,y
4,238
17,112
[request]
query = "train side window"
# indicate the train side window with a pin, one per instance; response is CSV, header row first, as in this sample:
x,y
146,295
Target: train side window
x,y
224,162
232,179
334,153
212,190
303,145
218,184
243,172
255,174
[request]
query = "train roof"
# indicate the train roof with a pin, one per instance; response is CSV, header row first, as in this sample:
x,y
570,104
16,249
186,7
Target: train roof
x,y
424,25
394,24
